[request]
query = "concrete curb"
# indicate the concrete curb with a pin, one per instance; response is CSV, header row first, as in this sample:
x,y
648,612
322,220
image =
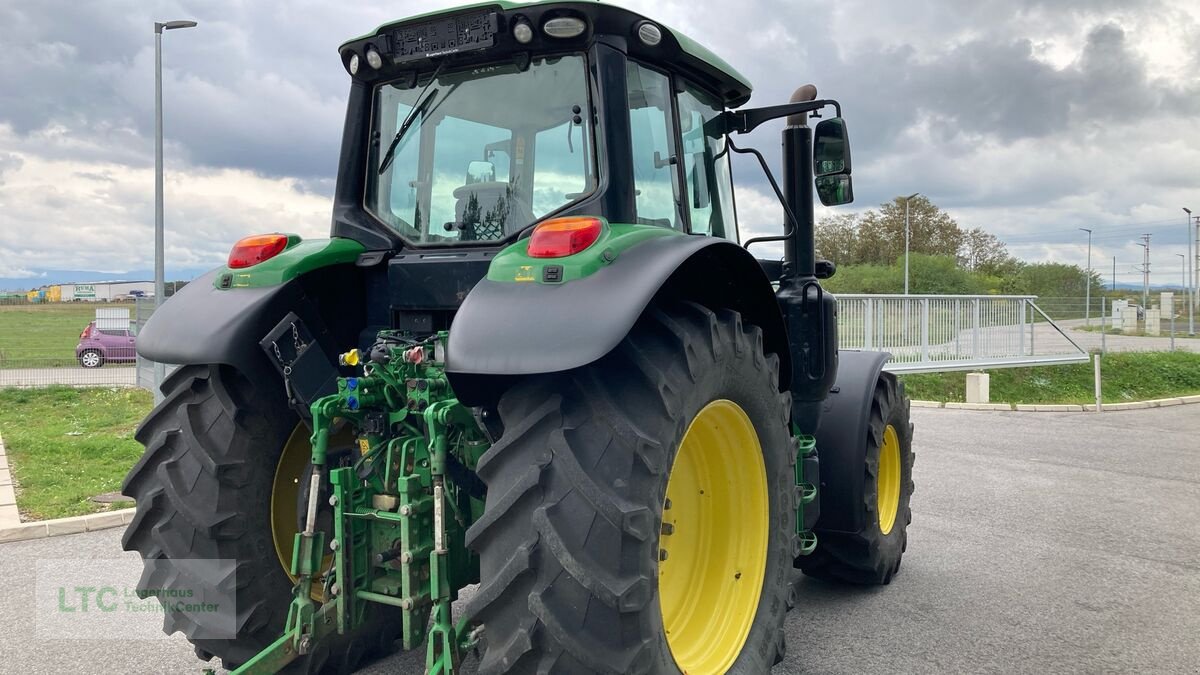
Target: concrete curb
x,y
61,526
12,529
1045,407
9,515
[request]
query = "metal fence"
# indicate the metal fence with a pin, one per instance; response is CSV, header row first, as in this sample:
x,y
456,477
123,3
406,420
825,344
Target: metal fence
x,y
927,333
38,341
41,344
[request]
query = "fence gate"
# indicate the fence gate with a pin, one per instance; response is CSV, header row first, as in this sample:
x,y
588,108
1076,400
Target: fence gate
x,y
930,333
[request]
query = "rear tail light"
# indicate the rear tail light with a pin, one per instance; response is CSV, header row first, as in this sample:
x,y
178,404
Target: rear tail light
x,y
87,332
559,237
255,249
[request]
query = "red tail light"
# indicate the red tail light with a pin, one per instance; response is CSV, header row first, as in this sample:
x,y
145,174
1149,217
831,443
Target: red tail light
x,y
255,249
87,332
560,237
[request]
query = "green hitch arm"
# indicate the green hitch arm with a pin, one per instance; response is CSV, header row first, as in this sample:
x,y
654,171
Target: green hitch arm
x,y
442,656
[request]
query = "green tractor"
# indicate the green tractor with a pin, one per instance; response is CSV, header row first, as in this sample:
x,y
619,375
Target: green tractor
x,y
532,358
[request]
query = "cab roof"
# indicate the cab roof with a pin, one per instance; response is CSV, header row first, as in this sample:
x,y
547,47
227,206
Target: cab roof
x,y
676,51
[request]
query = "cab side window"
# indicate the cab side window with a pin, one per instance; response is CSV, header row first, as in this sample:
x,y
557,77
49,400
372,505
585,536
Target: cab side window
x,y
655,178
706,166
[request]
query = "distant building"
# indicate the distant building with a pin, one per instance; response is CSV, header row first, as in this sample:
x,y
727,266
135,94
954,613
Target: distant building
x,y
98,291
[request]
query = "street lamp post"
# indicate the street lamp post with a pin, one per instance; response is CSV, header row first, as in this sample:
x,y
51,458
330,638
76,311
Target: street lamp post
x,y
159,267
1087,303
907,236
1190,294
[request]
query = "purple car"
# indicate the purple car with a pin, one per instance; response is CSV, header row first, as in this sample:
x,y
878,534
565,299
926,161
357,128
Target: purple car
x,y
97,346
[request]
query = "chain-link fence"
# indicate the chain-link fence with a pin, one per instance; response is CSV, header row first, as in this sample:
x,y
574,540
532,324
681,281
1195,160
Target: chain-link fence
x,y
1127,321
80,344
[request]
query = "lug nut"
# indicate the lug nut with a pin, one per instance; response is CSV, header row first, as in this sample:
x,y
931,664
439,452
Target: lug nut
x,y
662,554
333,545
668,529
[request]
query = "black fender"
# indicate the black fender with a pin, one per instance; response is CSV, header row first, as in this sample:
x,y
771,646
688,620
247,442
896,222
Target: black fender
x,y
202,324
842,438
507,329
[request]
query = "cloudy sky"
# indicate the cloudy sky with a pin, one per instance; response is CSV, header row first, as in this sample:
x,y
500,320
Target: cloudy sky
x,y
1027,118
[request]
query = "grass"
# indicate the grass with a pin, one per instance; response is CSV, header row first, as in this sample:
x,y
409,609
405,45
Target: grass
x,y
1129,376
66,445
45,335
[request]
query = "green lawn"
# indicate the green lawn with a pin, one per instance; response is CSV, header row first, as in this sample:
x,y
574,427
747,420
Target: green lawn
x,y
1130,376
45,335
66,445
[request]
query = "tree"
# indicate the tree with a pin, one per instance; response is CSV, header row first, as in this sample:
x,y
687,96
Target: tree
x,y
835,238
931,231
983,252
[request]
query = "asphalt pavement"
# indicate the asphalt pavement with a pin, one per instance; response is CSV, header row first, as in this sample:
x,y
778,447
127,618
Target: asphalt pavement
x,y
1040,542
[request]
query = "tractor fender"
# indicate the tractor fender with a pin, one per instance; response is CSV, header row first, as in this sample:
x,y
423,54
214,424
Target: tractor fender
x,y
842,439
203,324
506,329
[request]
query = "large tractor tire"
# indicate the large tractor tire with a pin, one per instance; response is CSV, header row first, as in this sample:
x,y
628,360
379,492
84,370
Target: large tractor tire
x,y
220,479
872,555
640,514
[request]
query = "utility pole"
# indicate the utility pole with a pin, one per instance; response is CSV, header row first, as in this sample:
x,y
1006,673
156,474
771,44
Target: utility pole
x,y
1196,265
906,238
1189,293
160,289
1145,270
1087,303
1113,286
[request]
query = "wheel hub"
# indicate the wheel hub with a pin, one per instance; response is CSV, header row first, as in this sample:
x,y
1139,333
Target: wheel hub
x,y
713,544
887,480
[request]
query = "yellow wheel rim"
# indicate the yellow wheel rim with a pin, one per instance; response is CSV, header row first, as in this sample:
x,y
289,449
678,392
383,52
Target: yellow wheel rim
x,y
285,494
887,480
714,539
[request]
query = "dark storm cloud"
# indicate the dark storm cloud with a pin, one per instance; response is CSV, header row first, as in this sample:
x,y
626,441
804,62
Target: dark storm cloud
x,y
1048,106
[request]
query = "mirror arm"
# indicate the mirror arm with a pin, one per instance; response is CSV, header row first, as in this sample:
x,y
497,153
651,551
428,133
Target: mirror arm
x,y
745,121
791,217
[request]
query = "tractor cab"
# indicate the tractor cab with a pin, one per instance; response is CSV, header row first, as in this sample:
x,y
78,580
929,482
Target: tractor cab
x,y
467,127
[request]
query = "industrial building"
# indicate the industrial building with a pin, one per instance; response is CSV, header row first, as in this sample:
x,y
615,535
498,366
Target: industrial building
x,y
96,291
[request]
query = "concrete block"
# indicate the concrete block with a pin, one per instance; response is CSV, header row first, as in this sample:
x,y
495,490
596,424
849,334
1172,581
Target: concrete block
x,y
1164,402
103,521
3,463
126,515
65,526
23,532
5,478
1153,322
7,496
1166,302
1190,399
938,404
978,388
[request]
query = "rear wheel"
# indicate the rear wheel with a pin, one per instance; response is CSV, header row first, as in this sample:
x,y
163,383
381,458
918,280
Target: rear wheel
x,y
91,358
872,555
639,514
218,481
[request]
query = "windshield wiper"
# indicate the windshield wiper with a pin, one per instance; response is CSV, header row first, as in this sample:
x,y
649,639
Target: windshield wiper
x,y
410,117
418,109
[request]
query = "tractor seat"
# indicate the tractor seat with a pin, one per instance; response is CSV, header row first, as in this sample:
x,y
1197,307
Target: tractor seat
x,y
489,197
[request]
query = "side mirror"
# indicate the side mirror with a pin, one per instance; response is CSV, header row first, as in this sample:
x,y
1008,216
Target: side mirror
x,y
835,190
831,148
481,172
